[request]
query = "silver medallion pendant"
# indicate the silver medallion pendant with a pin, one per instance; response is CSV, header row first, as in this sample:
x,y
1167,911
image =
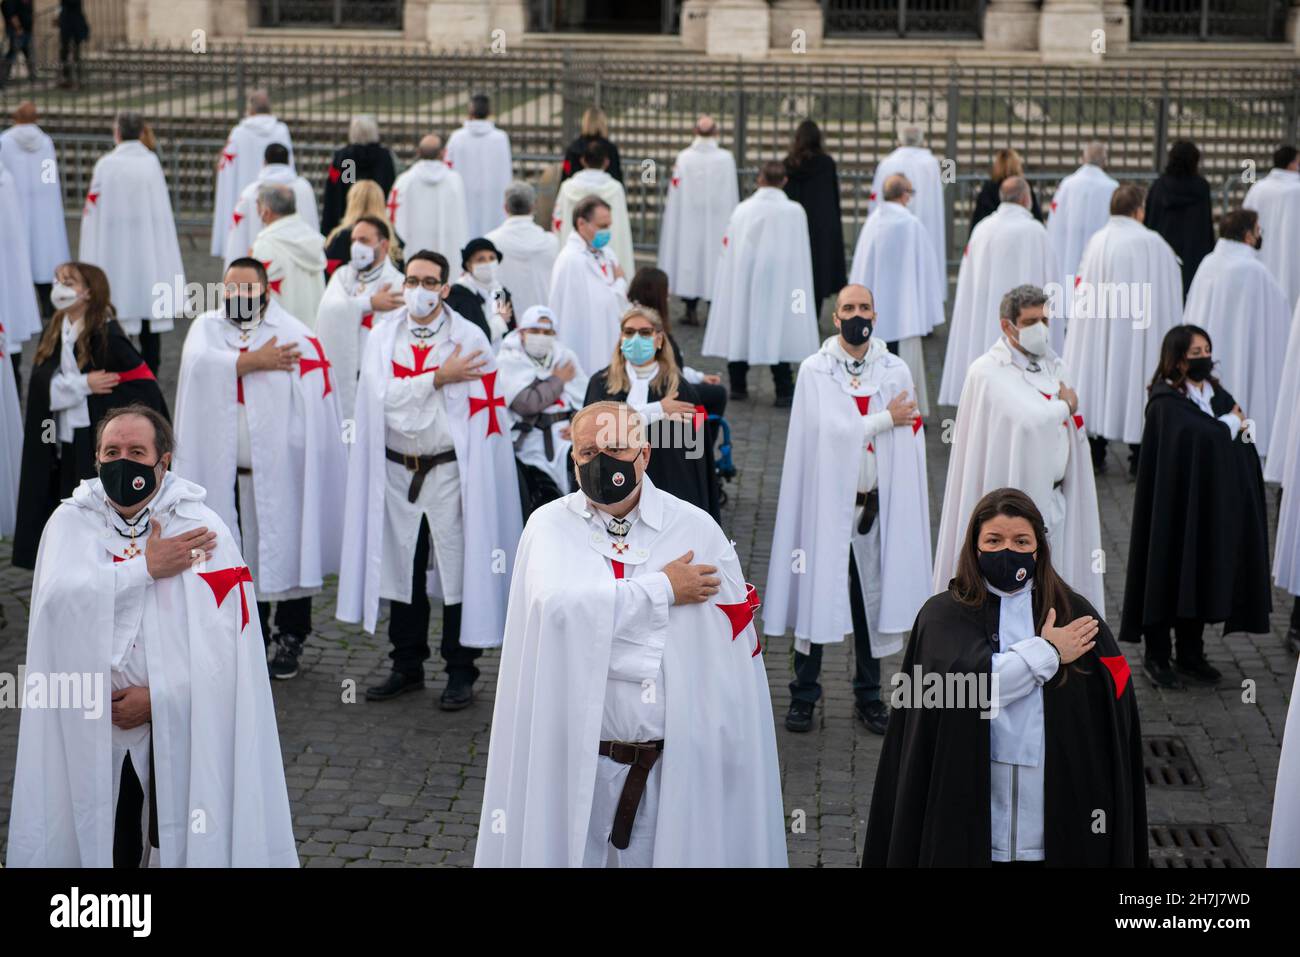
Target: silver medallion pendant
x,y
618,527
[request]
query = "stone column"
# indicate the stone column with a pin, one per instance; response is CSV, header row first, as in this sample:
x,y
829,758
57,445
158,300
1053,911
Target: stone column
x,y
738,28
171,22
1118,26
1071,31
467,24
796,25
695,24
1011,25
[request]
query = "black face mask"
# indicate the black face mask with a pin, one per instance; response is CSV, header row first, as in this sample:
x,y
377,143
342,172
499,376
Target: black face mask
x,y
856,330
1198,369
1007,570
126,482
607,480
241,309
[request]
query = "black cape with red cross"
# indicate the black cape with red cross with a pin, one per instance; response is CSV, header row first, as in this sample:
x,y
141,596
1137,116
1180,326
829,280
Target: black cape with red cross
x,y
931,803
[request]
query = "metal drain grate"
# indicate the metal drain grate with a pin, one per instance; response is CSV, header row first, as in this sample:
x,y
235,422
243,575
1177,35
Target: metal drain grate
x,y
1167,764
1192,845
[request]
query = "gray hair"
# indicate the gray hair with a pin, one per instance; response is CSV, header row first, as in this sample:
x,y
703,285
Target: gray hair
x,y
1014,189
1019,299
520,198
364,128
259,101
911,135
277,198
129,125
1095,153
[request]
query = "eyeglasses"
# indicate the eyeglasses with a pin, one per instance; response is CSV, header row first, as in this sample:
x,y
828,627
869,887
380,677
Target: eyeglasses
x,y
428,282
643,333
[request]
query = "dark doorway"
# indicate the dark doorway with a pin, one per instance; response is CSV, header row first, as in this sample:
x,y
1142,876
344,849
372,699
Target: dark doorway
x,y
604,16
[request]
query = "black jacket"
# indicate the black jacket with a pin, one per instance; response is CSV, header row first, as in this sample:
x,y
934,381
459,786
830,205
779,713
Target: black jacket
x,y
988,201
468,304
816,187
573,157
1179,209
369,161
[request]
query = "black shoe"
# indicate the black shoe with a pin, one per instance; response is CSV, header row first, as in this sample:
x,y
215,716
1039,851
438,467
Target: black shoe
x,y
285,663
741,394
875,716
459,694
1161,675
800,716
1293,640
1199,671
396,684
783,401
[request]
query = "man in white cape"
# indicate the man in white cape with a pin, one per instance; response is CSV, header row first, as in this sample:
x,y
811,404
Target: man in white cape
x,y
869,511
1235,299
895,259
244,221
1080,207
702,193
155,596
1283,466
763,310
1276,198
28,152
11,441
365,291
481,154
919,165
1018,426
633,723
427,204
128,231
433,492
240,163
527,251
258,423
19,311
588,287
544,385
594,180
292,252
1127,295
1007,248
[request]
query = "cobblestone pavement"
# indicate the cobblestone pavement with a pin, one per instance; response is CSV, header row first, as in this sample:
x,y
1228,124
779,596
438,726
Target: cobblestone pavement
x,y
401,783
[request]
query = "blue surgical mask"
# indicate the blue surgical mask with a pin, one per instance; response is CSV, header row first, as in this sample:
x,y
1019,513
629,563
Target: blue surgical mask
x,y
601,239
638,350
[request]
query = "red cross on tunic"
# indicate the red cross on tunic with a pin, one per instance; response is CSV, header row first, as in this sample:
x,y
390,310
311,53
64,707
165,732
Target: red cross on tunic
x,y
871,196
557,223
1078,419
491,403
864,404
421,353
1077,280
237,216
132,550
393,206
1053,205
368,321
320,362
227,158
223,580
239,382
275,284
92,199
618,568
740,614
676,180
1119,670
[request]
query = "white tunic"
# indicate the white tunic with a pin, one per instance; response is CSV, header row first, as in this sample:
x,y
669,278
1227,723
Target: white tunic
x,y
527,257
428,209
1080,207
19,312
702,193
596,182
28,152
11,443
244,224
1285,444
922,170
69,386
1276,198
239,164
294,255
587,299
481,154
345,319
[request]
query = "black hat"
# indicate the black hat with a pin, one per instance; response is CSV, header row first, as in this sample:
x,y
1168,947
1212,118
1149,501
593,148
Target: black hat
x,y
476,245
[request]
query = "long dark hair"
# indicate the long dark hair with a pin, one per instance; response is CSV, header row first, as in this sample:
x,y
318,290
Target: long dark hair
x,y
1173,355
92,344
968,585
649,287
1184,159
807,144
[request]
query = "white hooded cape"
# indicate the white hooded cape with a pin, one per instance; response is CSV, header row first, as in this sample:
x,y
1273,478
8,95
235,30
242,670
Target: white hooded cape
x,y
239,164
19,313
489,490
519,370
1276,198
481,154
702,193
298,454
1127,295
1284,835
720,790
28,152
427,208
128,231
1239,304
11,442
244,224
595,182
294,256
1283,466
527,257
344,321
1007,248
921,168
219,775
1080,207
763,310
587,301
1007,422
816,518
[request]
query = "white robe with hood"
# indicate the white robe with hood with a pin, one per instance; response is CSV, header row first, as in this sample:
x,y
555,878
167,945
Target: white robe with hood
x,y
428,210
595,182
481,154
239,164
1080,207
244,224
921,168
702,193
28,152
587,300
294,256
527,258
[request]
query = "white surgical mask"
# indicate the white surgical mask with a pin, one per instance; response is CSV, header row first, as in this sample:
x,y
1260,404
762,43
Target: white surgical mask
x,y
63,296
1034,339
486,273
362,256
538,346
419,301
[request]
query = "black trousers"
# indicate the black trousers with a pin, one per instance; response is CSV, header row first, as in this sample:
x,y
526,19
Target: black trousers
x,y
1188,641
892,347
782,378
151,348
128,841
408,624
866,669
17,358
292,617
1295,613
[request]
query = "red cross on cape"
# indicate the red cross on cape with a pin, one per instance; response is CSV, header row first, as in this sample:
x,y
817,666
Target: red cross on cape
x,y
336,174
393,206
237,216
368,321
491,403
741,613
275,284
864,403
223,580
320,362
227,157
1119,670
421,354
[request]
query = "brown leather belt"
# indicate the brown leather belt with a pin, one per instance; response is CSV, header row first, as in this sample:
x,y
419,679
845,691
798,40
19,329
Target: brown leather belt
x,y
542,421
869,502
642,756
242,470
419,466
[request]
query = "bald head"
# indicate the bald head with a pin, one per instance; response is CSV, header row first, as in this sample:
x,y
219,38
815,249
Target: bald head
x,y
706,126
430,147
1094,154
259,101
854,294
897,189
1014,189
